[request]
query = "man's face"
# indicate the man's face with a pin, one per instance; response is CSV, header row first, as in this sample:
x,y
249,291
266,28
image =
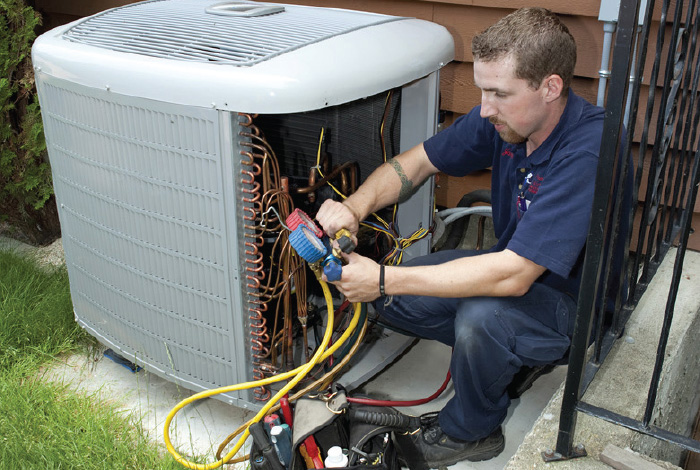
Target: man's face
x,y
511,105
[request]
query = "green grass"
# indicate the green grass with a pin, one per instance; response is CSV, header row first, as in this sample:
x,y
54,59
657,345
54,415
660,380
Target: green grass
x,y
36,320
45,425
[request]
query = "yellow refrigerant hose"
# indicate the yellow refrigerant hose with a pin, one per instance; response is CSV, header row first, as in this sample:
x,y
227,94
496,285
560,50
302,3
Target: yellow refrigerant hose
x,y
298,374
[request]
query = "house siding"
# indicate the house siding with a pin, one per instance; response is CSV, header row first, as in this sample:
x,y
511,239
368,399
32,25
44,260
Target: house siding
x,y
463,19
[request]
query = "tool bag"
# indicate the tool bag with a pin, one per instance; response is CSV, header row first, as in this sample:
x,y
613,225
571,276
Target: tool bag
x,y
367,434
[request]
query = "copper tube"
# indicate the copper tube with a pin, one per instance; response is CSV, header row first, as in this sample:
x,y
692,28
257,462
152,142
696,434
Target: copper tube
x,y
329,177
311,196
344,187
263,188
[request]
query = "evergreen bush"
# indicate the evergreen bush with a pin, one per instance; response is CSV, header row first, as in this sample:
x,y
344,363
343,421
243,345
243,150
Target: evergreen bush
x,y
26,193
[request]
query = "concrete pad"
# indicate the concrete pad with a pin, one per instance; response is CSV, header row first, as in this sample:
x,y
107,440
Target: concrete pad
x,y
197,429
622,383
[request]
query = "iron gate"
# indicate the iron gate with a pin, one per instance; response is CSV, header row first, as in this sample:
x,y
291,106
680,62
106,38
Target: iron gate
x,y
666,141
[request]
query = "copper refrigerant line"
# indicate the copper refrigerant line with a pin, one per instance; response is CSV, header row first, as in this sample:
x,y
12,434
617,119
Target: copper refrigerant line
x,y
347,172
266,203
254,274
266,200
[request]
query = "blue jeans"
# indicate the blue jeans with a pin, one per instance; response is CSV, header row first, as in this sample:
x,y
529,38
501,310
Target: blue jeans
x,y
491,337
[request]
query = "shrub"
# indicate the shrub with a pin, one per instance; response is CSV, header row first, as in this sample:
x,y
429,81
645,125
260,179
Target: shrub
x,y
26,192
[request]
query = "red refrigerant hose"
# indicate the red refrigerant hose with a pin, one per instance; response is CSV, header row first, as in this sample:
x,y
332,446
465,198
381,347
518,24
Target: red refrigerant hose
x,y
370,401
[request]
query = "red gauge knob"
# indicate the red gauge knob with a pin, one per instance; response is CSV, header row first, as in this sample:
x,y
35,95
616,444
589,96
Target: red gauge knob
x,y
299,217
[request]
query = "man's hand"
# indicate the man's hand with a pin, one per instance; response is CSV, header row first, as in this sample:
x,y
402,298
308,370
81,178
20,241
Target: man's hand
x,y
360,279
334,215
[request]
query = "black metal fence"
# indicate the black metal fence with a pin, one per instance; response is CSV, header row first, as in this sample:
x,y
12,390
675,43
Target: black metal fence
x,y
663,135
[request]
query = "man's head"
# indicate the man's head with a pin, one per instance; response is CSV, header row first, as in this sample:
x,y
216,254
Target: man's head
x,y
539,43
524,65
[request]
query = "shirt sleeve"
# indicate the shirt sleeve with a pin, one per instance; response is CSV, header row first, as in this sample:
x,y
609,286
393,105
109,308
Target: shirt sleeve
x,y
467,145
553,230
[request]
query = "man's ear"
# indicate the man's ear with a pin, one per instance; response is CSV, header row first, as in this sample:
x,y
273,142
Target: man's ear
x,y
552,87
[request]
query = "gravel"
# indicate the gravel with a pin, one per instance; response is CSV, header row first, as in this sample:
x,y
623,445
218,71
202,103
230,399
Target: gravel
x,y
47,256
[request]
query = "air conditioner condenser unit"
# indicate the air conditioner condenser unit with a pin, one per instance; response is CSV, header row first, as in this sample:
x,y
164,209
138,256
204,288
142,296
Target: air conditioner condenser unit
x,y
180,132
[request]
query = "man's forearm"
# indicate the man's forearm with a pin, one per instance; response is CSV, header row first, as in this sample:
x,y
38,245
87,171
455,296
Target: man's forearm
x,y
493,274
375,193
391,182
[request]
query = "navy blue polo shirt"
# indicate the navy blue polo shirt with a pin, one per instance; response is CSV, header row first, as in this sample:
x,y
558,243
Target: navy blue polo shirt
x,y
542,202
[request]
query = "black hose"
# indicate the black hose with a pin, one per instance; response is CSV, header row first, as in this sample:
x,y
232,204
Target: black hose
x,y
455,231
394,420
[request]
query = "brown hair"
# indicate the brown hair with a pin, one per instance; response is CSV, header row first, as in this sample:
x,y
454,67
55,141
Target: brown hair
x,y
538,41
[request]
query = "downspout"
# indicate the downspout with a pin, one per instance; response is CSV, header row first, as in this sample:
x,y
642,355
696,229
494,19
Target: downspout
x,y
609,28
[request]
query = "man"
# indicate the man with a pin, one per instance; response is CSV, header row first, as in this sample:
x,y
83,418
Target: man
x,y
514,305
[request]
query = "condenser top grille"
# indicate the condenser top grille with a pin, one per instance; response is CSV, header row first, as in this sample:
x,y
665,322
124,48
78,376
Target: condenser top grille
x,y
224,33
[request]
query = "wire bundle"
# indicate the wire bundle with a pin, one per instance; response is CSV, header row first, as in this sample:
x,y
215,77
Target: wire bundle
x,y
389,229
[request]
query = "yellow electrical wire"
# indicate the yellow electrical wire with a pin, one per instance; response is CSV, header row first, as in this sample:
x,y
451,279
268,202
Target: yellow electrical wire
x,y
336,190
299,373
387,103
400,244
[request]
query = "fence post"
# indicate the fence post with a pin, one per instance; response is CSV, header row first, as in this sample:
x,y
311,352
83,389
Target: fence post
x,y
608,161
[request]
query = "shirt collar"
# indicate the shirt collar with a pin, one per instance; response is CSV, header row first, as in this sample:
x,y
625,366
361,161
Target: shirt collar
x,y
570,116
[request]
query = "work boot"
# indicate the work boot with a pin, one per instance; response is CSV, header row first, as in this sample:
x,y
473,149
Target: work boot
x,y
440,450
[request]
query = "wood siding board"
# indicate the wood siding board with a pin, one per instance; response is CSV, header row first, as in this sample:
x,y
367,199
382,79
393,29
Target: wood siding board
x,y
666,177
78,8
586,88
464,22
588,33
450,189
582,7
657,10
651,54
408,8
641,114
694,239
460,95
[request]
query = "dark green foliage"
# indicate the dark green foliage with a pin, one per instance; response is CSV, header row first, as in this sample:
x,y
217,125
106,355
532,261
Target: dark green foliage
x,y
26,193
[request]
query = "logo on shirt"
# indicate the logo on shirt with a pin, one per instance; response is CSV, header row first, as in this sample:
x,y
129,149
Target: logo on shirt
x,y
534,183
507,153
530,187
